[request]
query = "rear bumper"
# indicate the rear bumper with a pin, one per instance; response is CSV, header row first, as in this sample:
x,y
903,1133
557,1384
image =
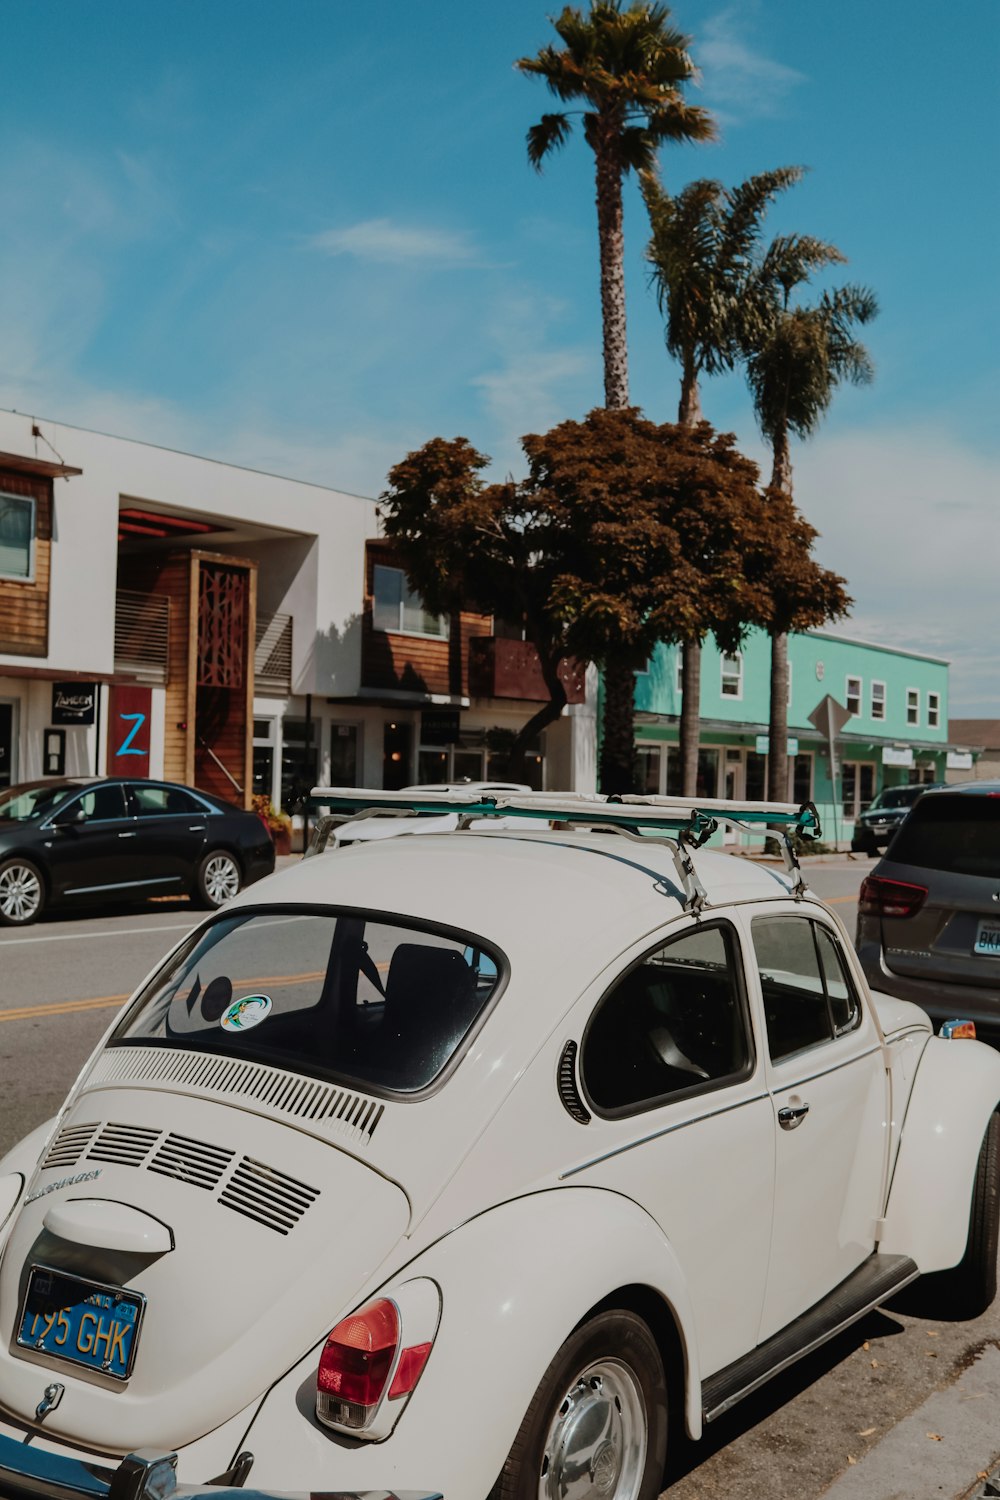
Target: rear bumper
x,y
28,1473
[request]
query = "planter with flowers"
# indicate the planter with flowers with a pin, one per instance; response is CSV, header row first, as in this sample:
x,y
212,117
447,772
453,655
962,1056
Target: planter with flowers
x,y
278,824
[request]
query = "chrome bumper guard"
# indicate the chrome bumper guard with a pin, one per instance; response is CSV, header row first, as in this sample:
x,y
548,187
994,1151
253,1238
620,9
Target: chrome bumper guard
x,y
27,1473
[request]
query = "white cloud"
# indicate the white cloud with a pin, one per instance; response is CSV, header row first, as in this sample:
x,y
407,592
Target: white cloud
x,y
909,516
387,243
740,82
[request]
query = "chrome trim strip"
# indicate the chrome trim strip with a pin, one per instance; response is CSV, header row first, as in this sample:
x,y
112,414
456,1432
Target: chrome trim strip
x,y
822,1073
655,1135
120,885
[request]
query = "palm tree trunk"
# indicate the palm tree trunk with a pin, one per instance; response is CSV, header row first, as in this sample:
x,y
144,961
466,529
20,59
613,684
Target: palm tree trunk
x,y
690,726
689,414
618,770
777,746
611,237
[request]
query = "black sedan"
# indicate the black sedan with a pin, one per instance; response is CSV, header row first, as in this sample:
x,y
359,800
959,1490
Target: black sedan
x,y
879,821
80,840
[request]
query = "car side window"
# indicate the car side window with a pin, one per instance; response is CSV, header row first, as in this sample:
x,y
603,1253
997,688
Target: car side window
x,y
676,1021
103,804
157,801
807,996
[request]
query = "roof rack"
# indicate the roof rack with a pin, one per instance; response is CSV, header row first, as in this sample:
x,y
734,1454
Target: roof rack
x,y
692,821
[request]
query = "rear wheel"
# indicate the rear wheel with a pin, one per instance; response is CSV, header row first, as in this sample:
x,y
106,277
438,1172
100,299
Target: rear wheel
x,y
219,878
596,1428
970,1288
22,892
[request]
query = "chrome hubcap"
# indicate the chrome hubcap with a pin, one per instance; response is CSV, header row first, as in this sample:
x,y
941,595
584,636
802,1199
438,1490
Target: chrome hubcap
x,y
596,1444
222,879
20,893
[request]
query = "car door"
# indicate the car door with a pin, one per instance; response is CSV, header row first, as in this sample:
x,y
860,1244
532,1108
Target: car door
x,y
828,1084
172,832
682,1121
88,843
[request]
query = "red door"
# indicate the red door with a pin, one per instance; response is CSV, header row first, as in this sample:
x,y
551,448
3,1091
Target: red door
x,y
128,731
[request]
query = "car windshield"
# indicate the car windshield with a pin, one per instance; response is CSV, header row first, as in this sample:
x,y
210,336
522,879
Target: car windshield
x,y
337,995
958,833
898,796
23,803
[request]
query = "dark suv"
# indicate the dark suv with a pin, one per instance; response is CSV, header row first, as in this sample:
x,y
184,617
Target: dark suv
x,y
929,914
877,824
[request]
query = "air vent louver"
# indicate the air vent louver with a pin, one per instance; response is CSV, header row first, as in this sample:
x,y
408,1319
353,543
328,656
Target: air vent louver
x,y
69,1145
261,1193
127,1145
568,1091
191,1161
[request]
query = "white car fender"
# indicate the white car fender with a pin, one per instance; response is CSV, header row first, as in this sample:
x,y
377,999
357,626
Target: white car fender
x,y
19,1163
515,1282
956,1089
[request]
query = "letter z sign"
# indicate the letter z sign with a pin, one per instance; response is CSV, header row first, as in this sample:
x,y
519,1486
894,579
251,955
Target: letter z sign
x,y
128,731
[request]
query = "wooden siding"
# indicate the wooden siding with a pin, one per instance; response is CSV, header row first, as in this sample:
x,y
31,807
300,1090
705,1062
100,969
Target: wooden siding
x,y
415,663
24,605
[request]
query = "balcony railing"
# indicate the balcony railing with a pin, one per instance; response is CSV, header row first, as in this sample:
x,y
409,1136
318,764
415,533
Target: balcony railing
x,y
272,658
502,668
142,634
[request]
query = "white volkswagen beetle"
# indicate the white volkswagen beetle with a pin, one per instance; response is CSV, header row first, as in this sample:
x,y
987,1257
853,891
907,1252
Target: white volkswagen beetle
x,y
482,1162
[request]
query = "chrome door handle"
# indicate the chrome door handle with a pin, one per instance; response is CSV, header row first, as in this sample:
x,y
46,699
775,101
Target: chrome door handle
x,y
196,828
129,835
791,1115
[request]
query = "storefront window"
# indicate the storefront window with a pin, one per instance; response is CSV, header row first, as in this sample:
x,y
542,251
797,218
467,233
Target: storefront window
x,y
802,789
649,759
299,761
6,744
344,755
858,786
263,757
756,777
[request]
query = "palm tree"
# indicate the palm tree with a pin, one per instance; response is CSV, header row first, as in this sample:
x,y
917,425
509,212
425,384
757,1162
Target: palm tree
x,y
703,253
793,370
628,67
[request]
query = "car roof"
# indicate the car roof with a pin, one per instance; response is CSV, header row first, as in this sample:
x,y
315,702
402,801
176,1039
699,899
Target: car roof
x,y
968,788
527,892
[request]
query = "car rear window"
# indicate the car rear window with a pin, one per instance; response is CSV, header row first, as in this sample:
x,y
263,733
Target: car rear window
x,y
958,833
336,995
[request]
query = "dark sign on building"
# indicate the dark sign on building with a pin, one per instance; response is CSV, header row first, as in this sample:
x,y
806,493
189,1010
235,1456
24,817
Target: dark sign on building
x,y
439,726
74,702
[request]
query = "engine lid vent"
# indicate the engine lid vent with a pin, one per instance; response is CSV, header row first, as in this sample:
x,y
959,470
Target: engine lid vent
x,y
127,1145
191,1161
262,1193
568,1091
69,1145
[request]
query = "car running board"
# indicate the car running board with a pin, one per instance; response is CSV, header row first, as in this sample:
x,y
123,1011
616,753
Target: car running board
x,y
875,1280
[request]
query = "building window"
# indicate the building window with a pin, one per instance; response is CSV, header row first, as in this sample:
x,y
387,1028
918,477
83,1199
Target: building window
x,y
933,710
858,786
299,761
650,759
732,675
789,684
854,695
344,755
264,745
399,608
801,779
913,705
472,759
17,537
679,670
878,700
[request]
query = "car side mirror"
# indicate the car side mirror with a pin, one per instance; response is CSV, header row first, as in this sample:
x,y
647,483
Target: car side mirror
x,y
70,818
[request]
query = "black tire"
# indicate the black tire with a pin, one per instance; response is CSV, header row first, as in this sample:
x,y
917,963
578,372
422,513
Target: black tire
x,y
218,880
22,892
968,1290
603,1395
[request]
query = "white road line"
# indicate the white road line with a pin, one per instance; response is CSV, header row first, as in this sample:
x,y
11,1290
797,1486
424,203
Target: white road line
x,y
66,937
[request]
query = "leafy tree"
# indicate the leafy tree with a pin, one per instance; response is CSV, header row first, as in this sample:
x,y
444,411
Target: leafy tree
x,y
703,252
628,67
795,363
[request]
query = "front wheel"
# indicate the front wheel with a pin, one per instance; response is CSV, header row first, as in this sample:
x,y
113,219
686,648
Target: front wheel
x,y
219,879
22,892
596,1428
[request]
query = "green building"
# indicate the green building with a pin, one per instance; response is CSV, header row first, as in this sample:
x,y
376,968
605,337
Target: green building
x,y
897,732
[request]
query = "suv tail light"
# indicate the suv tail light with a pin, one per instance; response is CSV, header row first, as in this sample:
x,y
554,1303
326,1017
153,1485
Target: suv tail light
x,y
369,1361
889,898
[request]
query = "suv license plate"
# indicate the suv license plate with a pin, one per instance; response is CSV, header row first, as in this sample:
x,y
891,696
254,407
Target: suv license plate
x,y
83,1322
988,938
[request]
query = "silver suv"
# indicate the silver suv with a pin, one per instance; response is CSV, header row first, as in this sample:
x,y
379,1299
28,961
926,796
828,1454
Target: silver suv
x,y
929,914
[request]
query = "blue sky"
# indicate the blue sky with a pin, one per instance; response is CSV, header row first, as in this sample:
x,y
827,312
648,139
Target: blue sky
x,y
305,237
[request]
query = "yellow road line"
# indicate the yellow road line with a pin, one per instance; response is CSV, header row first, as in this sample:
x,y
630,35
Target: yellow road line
x,y
60,1008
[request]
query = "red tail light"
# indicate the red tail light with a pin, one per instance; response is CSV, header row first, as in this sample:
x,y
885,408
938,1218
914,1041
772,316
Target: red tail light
x,y
360,1356
890,898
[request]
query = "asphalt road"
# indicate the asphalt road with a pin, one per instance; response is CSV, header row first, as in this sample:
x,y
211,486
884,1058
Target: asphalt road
x,y
61,983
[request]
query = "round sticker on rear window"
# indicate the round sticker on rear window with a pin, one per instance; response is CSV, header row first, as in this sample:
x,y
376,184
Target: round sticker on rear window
x,y
244,1014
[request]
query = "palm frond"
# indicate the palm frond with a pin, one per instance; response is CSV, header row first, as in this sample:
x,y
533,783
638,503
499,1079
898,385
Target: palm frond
x,y
747,205
551,132
636,149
